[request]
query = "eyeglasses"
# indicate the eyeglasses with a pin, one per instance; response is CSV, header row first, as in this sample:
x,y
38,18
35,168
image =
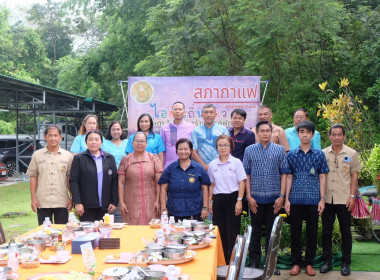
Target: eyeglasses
x,y
224,146
140,141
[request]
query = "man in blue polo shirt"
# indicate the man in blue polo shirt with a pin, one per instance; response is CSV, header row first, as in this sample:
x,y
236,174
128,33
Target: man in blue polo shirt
x,y
299,116
204,137
266,168
305,196
241,136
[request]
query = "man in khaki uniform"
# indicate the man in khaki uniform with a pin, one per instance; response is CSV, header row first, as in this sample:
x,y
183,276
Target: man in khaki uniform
x,y
278,134
49,172
341,185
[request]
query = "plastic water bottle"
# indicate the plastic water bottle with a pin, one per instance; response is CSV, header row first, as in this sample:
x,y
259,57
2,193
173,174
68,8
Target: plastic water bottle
x,y
13,261
72,217
171,274
164,219
47,224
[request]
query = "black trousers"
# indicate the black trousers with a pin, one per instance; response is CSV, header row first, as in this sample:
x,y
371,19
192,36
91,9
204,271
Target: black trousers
x,y
194,217
263,217
223,207
61,215
328,219
92,214
298,213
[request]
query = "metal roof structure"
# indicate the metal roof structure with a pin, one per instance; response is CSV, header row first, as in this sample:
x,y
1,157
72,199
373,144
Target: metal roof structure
x,y
30,101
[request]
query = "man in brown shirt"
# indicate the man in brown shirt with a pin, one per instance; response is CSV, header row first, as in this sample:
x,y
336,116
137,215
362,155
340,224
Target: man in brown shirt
x,y
341,185
278,134
49,172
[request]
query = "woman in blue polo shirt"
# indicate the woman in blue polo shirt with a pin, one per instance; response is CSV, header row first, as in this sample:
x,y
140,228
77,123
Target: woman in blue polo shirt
x,y
184,186
155,143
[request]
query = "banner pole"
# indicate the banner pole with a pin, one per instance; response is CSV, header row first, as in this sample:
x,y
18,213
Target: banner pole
x,y
125,98
265,90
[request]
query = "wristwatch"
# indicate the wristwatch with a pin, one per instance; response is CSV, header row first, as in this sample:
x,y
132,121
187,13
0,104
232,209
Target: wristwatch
x,y
240,198
323,197
351,195
282,195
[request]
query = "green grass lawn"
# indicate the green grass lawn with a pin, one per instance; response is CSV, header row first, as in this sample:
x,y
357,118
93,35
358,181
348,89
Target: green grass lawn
x,y
16,198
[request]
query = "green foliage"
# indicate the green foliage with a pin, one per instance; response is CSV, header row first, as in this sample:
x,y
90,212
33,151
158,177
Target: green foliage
x,y
286,238
7,127
54,27
373,164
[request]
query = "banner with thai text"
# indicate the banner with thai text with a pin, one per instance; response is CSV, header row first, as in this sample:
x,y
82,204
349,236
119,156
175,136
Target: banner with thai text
x,y
156,95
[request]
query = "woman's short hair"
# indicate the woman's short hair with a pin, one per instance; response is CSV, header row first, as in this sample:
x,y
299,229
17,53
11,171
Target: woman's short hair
x,y
96,132
140,133
225,137
184,140
109,136
82,129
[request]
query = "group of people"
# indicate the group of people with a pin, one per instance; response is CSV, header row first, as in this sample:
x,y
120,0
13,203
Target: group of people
x,y
192,172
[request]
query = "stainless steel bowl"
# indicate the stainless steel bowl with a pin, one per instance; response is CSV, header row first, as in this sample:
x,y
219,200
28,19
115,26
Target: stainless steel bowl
x,y
3,252
4,271
197,233
146,253
25,250
18,246
154,275
40,245
181,228
114,273
200,226
177,246
173,240
43,237
190,240
174,254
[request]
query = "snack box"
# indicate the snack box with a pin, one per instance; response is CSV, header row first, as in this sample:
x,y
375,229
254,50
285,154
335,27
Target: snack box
x,y
75,244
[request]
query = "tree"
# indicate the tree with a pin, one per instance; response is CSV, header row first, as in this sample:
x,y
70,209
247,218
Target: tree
x,y
53,25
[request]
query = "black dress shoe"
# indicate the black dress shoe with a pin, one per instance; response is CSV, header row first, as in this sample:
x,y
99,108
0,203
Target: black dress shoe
x,y
326,267
277,272
345,270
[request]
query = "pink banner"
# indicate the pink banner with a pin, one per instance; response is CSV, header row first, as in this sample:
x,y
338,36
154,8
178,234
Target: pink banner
x,y
156,95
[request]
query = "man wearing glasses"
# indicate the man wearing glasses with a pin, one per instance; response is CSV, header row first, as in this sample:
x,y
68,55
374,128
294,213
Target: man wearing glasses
x,y
341,185
266,168
299,116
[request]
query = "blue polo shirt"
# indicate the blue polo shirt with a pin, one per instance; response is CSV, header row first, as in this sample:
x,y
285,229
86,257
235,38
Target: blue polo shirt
x,y
79,144
242,140
155,144
204,140
185,196
265,165
295,142
306,169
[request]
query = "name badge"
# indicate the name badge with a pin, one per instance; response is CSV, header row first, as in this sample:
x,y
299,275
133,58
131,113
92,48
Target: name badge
x,y
312,171
347,159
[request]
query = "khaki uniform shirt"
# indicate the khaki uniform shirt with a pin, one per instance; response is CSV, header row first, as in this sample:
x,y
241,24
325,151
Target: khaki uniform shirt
x,y
52,171
339,178
278,137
